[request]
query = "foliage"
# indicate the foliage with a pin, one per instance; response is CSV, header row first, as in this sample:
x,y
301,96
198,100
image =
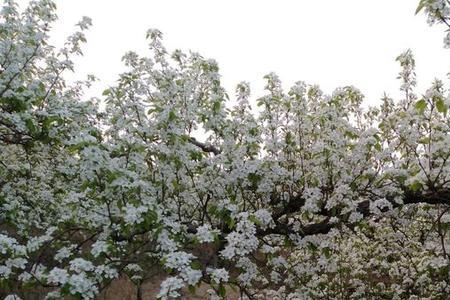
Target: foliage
x,y
311,197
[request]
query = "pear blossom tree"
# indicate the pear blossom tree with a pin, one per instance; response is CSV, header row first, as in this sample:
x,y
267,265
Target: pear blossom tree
x,y
303,195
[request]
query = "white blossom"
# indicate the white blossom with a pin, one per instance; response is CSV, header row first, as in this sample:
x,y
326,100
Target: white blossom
x,y
218,275
170,288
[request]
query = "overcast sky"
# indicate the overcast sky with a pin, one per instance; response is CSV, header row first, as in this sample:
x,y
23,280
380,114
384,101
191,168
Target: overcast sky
x,y
329,42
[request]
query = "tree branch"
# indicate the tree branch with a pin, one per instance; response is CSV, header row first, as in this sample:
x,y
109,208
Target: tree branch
x,y
296,203
204,147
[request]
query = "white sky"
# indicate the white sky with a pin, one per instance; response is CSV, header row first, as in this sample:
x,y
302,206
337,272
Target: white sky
x,y
330,42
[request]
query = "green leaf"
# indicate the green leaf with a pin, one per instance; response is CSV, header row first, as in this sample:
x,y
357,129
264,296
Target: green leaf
x,y
196,265
77,147
78,296
351,135
378,147
49,120
191,289
441,106
221,291
312,247
216,107
230,222
416,186
196,155
30,126
213,210
425,140
254,178
421,5
254,220
65,289
289,139
421,105
327,252
253,131
14,104
172,116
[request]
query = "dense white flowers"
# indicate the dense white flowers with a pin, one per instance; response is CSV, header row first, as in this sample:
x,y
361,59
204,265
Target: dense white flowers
x,y
170,288
355,217
264,218
99,247
218,275
58,276
191,276
8,244
308,195
80,284
178,260
134,214
205,234
62,253
380,205
241,241
80,265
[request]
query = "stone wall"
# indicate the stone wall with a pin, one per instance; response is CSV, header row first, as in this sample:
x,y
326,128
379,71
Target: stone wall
x,y
124,289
